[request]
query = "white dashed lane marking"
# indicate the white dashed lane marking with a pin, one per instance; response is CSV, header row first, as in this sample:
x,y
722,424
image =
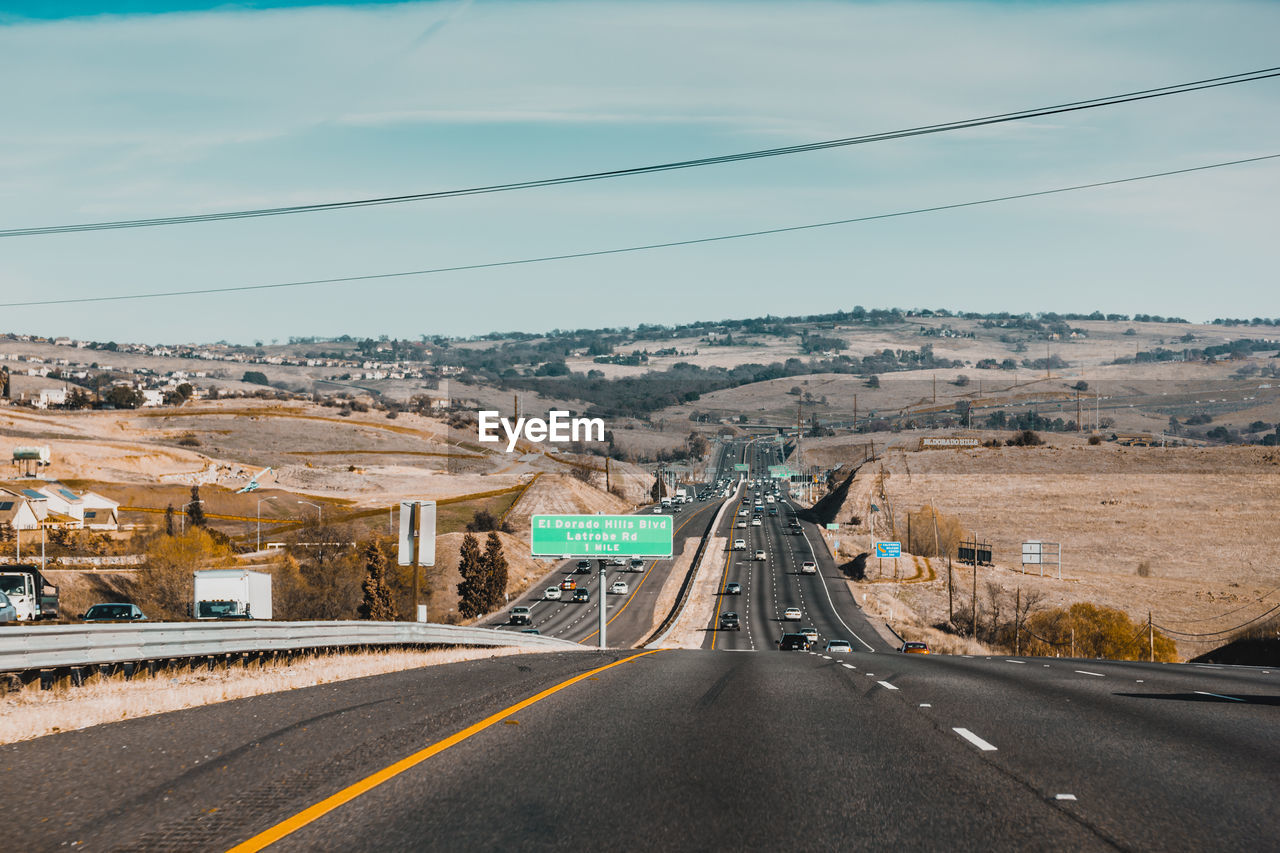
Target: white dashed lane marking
x,y
974,739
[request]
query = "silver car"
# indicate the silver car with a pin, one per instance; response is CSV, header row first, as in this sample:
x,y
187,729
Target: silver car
x,y
8,613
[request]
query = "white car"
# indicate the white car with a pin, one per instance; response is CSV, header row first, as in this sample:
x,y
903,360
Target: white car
x,y
637,565
755,522
552,593
791,614
741,525
742,513
617,561
808,567
619,588
657,509
739,544
760,555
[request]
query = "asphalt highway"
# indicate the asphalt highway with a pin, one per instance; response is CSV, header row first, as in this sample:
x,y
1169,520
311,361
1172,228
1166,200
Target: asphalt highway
x,y
735,746
682,750
630,617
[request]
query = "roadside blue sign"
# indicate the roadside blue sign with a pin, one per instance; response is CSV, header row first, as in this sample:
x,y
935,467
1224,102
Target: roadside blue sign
x,y
888,550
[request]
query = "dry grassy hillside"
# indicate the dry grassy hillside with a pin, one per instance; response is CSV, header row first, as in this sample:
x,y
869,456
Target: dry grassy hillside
x,y
561,494
1188,533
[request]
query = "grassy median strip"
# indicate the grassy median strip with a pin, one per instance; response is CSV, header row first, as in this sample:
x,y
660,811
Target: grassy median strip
x,y
346,795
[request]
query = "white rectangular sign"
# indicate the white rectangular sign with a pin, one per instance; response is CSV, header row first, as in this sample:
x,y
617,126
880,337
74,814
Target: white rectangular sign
x,y
1031,553
417,527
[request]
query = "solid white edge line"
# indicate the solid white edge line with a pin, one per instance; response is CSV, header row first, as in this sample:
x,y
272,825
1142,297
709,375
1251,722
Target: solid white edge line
x,y
1094,674
831,603
974,739
1008,660
1219,696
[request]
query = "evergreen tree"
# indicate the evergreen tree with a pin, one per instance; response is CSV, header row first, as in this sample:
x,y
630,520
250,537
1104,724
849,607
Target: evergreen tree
x,y
471,590
495,566
168,520
195,509
378,603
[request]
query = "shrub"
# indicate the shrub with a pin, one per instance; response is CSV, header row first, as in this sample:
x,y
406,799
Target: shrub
x,y
1095,439
1026,438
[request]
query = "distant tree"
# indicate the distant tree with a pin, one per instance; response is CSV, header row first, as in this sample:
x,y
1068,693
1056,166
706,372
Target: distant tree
x,y
961,380
1259,426
495,566
168,520
472,589
873,381
123,397
378,603
483,521
255,377
1081,386
185,390
195,509
1026,438
165,577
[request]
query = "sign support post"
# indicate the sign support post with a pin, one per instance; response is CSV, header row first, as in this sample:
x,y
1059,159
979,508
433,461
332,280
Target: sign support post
x,y
604,623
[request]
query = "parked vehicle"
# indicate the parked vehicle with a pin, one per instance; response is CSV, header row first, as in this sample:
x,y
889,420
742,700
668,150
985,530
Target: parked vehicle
x,y
232,594
7,611
30,593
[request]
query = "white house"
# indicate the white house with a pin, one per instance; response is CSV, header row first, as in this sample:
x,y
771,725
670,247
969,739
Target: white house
x,y
16,512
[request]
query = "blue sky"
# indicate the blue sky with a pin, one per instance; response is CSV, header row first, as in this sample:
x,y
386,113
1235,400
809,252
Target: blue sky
x,y
158,109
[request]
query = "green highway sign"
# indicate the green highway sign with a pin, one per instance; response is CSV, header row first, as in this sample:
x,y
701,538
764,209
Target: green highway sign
x,y
741,467
783,472
602,535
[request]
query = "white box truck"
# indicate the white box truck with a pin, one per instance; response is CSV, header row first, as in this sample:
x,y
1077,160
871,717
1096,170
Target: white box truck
x,y
232,594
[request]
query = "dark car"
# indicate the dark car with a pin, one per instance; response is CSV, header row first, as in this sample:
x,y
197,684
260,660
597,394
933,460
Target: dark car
x,y
582,595
584,567
793,643
733,589
112,613
729,622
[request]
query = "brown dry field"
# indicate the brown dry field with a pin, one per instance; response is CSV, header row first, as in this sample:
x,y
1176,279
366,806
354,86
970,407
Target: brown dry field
x,y
1206,521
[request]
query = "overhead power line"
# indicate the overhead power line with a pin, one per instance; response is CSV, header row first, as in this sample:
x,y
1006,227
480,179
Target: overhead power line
x,y
1019,115
626,249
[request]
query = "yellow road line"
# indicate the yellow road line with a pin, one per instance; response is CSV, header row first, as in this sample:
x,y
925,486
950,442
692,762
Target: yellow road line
x,y
632,596
346,795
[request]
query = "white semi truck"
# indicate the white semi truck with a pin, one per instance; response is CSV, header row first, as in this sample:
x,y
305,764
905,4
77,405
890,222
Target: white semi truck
x,y
232,594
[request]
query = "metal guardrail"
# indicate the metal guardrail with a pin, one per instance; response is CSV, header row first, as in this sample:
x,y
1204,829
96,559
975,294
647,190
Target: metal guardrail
x,y
24,648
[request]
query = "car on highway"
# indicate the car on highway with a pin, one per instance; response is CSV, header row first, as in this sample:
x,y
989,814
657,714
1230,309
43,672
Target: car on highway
x,y
793,643
8,613
760,555
739,544
839,646
617,561
741,525
583,567
733,589
568,583
912,648
791,614
636,565
676,508
742,513
811,633
619,588
755,522
521,616
552,593
773,510
657,510
112,613
582,594
808,567
729,621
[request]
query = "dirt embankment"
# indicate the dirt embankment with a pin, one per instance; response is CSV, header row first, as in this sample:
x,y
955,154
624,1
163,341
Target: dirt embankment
x,y
1190,535
561,494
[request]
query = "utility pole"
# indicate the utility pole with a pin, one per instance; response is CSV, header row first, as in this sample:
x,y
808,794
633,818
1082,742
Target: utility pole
x,y
855,412
973,611
1073,640
935,387
1151,637
1017,623
606,474
951,597
1079,423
